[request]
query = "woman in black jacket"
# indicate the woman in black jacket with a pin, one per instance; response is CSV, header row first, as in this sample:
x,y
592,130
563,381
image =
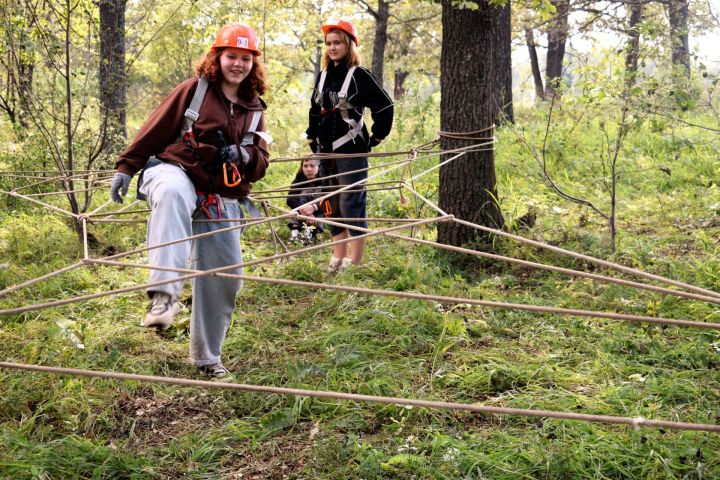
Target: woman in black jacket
x,y
342,91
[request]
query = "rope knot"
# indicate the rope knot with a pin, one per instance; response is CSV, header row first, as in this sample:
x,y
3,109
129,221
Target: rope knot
x,y
638,422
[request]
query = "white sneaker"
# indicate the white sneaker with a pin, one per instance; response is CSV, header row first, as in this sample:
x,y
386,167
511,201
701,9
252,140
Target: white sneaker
x,y
336,264
162,311
345,263
216,370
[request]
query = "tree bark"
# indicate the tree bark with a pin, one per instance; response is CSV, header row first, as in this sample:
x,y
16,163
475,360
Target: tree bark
x,y
534,64
503,63
317,62
557,32
678,19
18,64
381,37
399,87
400,73
467,103
633,43
112,70
26,69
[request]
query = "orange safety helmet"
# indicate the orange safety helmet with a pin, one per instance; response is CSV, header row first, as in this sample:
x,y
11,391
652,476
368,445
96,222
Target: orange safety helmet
x,y
344,25
237,35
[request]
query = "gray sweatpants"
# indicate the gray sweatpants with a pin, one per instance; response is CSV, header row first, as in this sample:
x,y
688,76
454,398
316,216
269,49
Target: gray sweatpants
x,y
172,199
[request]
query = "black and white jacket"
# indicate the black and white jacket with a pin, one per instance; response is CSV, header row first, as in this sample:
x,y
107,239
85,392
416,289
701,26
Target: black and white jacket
x,y
326,124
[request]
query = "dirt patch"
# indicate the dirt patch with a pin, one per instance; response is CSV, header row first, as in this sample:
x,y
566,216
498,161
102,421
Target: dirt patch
x,y
290,455
145,420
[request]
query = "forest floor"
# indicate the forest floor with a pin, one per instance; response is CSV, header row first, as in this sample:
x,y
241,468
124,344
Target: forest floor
x,y
289,336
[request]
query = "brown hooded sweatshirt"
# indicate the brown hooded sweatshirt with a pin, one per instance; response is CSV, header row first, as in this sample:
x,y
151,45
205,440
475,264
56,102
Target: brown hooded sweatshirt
x,y
199,156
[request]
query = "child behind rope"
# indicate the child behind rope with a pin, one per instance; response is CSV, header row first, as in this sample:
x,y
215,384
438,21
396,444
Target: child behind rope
x,y
308,188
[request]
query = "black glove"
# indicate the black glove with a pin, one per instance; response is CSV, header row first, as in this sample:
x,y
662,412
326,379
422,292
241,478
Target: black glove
x,y
119,186
231,153
373,142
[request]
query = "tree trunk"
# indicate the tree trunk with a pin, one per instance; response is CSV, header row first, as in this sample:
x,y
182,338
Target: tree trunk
x,y
503,63
18,64
633,43
381,38
678,18
399,88
26,69
467,103
317,61
557,32
534,64
400,73
112,70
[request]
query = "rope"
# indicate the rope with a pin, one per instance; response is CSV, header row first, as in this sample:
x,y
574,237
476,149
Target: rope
x,y
535,265
321,188
424,147
421,296
108,260
230,220
597,261
46,205
379,189
64,192
411,158
566,271
122,212
635,422
470,148
471,135
580,256
41,278
199,235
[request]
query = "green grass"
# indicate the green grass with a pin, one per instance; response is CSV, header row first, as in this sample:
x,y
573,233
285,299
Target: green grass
x,y
56,427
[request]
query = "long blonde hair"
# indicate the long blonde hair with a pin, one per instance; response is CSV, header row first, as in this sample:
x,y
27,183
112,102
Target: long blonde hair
x,y
352,57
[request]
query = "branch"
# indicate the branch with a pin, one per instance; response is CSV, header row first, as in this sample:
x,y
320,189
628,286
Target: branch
x,y
543,166
369,9
679,120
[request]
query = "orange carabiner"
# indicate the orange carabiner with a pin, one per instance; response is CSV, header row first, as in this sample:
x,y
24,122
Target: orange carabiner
x,y
236,178
326,207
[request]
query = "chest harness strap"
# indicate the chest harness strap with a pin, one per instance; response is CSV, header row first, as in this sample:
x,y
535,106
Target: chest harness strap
x,y
253,130
193,111
355,127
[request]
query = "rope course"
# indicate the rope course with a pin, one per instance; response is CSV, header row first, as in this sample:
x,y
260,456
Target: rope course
x,y
636,422
98,179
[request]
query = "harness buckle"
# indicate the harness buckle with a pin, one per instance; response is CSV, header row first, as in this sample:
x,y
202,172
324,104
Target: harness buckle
x,y
192,115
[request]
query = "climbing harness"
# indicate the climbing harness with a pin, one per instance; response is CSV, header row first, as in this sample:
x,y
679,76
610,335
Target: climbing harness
x,y
186,133
342,105
193,111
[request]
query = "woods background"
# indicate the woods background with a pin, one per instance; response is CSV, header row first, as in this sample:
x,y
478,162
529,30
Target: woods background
x,y
607,126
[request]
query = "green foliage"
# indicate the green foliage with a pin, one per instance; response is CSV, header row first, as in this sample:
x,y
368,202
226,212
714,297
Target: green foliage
x,y
669,209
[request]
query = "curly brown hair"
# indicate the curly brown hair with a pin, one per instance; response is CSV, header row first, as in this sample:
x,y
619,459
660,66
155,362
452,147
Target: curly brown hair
x,y
254,85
